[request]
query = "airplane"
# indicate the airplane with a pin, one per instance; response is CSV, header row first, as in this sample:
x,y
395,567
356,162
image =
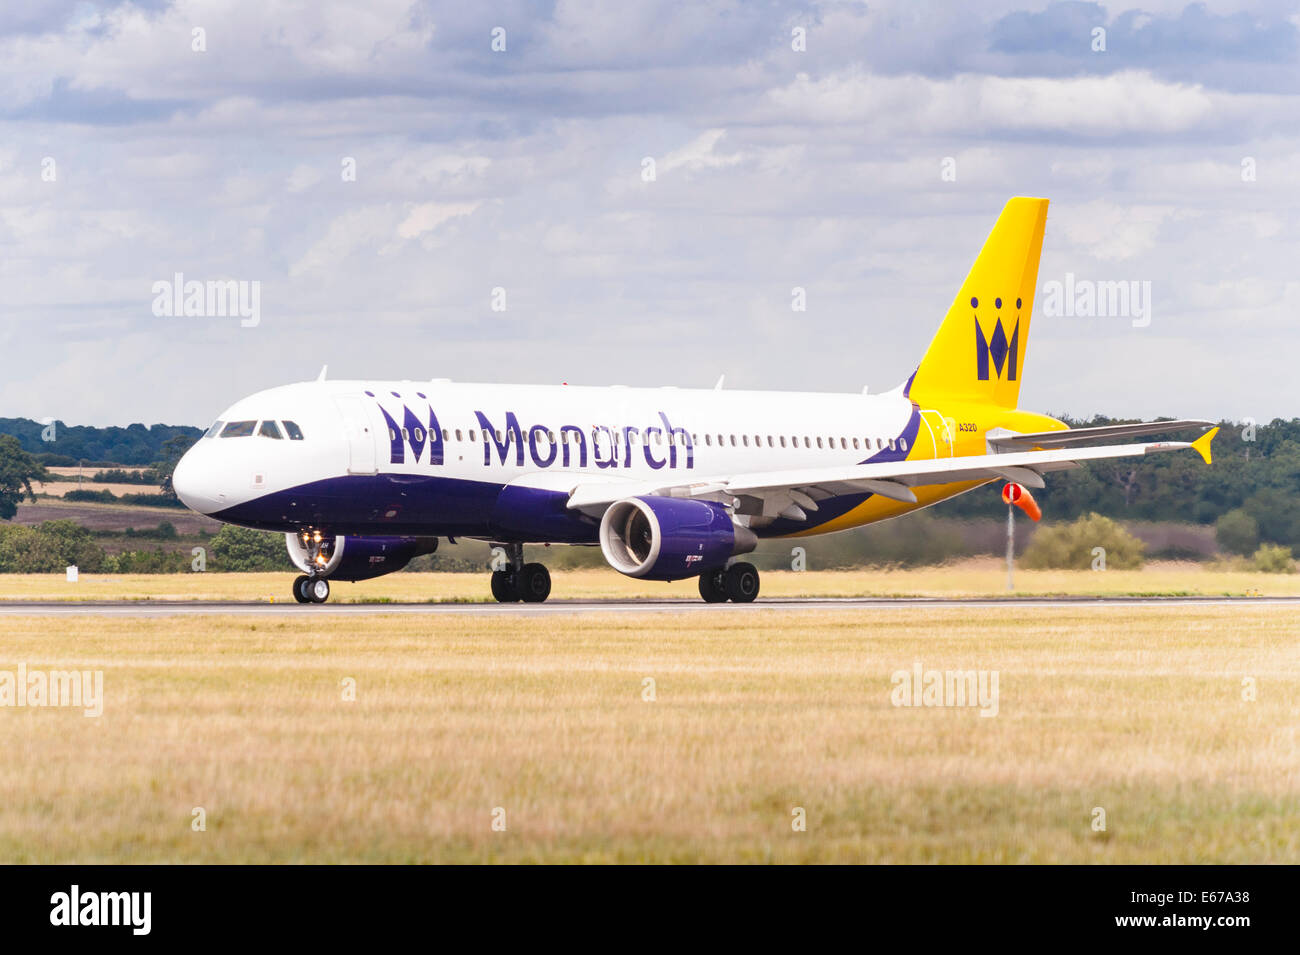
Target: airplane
x,y
670,483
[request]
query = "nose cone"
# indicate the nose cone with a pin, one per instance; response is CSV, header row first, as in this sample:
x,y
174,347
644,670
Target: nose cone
x,y
196,482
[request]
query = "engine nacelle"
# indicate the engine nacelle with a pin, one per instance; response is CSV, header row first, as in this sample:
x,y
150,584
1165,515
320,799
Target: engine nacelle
x,y
358,558
668,538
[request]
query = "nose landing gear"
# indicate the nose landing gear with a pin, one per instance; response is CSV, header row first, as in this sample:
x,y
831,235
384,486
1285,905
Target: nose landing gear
x,y
311,590
530,583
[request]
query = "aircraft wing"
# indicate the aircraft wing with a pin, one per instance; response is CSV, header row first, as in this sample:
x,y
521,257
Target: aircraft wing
x,y
1023,441
792,493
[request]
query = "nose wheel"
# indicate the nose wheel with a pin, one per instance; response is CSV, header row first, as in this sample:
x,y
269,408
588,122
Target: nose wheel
x,y
311,590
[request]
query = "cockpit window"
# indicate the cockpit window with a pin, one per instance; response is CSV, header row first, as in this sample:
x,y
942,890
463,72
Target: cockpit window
x,y
216,427
294,432
239,429
269,429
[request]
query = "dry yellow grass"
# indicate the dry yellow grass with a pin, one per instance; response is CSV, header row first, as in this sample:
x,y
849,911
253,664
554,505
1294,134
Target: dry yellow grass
x,y
978,577
1135,710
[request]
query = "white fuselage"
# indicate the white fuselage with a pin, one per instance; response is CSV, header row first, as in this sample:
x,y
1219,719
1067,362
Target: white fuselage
x,y
403,457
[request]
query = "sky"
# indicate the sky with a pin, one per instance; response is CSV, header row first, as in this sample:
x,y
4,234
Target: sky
x,y
630,193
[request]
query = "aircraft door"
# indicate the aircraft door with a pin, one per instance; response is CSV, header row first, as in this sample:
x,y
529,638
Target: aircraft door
x,y
942,432
360,435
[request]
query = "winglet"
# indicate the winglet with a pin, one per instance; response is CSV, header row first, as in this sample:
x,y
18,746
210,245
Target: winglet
x,y
1202,444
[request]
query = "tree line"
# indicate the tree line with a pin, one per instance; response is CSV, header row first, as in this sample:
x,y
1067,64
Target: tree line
x,y
60,445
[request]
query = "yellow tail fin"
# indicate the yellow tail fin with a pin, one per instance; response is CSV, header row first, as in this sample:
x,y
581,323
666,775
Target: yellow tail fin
x,y
978,354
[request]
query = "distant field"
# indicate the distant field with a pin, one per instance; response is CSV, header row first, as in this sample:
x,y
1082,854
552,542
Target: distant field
x,y
98,517
975,577
67,481
1138,712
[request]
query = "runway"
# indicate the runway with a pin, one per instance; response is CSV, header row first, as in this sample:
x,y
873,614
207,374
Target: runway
x,y
162,608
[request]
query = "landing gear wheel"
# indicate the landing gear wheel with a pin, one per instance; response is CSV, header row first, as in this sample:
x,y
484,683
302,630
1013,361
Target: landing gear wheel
x,y
534,583
713,586
318,590
300,589
742,583
504,587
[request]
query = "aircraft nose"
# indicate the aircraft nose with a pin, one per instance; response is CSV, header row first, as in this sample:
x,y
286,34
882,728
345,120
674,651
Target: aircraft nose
x,y
194,482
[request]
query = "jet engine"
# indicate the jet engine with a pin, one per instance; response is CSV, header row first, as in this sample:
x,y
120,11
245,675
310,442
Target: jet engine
x,y
667,538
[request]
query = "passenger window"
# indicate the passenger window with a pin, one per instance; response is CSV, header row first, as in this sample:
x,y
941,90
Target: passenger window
x,y
891,444
214,430
855,444
406,435
819,442
745,439
419,434
458,437
783,441
807,442
471,435
446,435
269,430
293,431
392,435
239,429
902,444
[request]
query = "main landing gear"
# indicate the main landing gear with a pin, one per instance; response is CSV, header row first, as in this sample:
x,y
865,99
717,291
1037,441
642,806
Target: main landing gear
x,y
311,590
737,583
530,583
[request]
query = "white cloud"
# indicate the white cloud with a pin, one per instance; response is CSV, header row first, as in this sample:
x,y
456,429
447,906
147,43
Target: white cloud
x,y
429,215
700,153
1129,102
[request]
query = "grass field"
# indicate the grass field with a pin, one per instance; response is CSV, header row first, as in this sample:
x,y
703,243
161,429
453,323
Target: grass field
x,y
71,479
974,577
1138,711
